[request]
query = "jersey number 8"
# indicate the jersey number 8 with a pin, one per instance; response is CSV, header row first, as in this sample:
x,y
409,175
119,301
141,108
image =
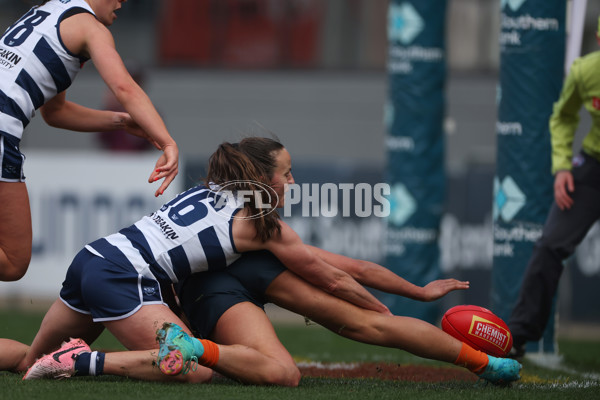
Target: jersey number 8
x,y
21,31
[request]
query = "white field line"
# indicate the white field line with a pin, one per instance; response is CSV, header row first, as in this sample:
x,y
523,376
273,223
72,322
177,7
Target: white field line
x,y
327,366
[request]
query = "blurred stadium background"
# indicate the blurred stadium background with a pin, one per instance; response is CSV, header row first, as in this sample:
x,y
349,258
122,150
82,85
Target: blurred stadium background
x,y
314,73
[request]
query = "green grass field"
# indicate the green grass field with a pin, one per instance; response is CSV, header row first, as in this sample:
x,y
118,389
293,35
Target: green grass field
x,y
577,378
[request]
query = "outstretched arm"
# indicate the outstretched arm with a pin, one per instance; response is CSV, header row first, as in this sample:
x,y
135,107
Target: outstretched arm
x,y
290,250
82,34
378,277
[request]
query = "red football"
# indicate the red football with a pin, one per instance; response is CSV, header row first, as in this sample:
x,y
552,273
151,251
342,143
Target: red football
x,y
479,328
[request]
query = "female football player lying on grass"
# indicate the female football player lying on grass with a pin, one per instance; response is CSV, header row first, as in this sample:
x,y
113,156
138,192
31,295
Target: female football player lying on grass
x,y
114,283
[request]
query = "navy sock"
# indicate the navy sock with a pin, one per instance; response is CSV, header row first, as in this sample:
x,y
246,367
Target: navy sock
x,y
89,364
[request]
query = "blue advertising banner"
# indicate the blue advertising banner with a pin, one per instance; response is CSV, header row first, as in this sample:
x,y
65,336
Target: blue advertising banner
x,y
532,51
415,146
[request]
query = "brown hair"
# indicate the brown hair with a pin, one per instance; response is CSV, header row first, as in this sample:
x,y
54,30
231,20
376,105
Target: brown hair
x,y
248,165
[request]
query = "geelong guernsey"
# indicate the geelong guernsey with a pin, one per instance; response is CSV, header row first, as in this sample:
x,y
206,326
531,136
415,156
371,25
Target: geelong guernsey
x,y
34,63
191,233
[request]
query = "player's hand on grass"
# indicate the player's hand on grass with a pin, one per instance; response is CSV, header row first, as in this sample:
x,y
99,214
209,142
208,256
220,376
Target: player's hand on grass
x,y
166,167
436,289
563,185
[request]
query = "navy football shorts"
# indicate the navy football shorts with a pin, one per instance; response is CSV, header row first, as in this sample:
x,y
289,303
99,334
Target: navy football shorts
x,y
11,158
106,290
205,296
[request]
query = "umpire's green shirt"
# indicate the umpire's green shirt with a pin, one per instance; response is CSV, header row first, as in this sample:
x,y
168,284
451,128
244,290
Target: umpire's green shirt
x,y
582,86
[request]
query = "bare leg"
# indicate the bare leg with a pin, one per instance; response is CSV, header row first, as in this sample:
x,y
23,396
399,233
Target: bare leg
x,y
15,231
138,332
59,324
246,324
413,335
13,354
141,365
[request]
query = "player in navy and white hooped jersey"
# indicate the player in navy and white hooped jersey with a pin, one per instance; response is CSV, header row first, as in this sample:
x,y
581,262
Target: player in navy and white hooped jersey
x,y
40,56
35,64
191,233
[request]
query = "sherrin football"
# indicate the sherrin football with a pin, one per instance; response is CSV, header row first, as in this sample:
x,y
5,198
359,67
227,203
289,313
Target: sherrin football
x,y
479,328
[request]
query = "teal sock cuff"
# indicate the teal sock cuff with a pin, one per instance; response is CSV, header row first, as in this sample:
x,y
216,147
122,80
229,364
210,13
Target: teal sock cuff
x,y
198,348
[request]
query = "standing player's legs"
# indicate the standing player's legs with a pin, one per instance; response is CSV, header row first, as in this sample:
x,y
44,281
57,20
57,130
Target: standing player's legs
x,y
15,231
563,231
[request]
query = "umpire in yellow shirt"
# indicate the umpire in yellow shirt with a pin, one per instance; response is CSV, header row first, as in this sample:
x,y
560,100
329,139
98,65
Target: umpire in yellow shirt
x,y
577,200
